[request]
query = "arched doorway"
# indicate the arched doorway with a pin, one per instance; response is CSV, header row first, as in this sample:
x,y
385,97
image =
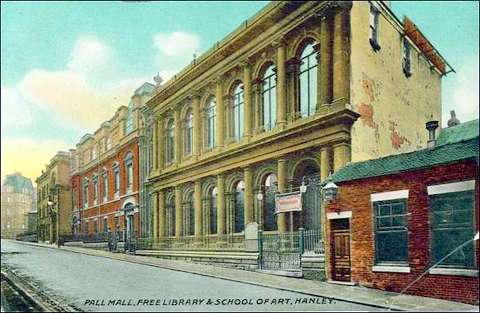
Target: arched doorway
x,y
269,188
307,174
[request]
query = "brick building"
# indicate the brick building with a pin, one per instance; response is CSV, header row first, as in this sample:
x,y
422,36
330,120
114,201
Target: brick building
x,y
395,218
105,174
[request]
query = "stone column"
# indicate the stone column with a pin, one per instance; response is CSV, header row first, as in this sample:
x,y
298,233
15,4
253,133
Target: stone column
x,y
220,118
247,100
248,195
341,67
324,163
154,202
161,143
155,146
197,122
178,212
281,83
220,205
161,215
324,69
178,137
198,210
282,187
341,155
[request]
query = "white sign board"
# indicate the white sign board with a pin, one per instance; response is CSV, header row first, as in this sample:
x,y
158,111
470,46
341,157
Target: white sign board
x,y
288,202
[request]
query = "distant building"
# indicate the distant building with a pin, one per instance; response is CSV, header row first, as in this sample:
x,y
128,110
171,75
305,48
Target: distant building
x,y
104,174
18,199
399,216
54,202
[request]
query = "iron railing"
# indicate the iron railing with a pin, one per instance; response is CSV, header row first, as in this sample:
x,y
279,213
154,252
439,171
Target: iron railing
x,y
231,242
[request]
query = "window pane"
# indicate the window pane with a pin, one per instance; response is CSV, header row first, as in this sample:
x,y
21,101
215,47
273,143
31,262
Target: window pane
x,y
391,247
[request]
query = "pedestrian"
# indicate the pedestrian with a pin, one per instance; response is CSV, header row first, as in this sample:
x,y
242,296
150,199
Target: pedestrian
x,y
109,236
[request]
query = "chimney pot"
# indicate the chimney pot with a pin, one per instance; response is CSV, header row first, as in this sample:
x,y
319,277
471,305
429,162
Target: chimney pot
x,y
431,126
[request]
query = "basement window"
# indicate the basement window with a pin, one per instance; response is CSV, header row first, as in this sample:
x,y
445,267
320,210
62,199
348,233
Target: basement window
x,y
374,13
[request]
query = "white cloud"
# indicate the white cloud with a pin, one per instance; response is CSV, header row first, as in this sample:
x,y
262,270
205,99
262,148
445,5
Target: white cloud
x,y
89,54
15,110
27,155
465,99
176,43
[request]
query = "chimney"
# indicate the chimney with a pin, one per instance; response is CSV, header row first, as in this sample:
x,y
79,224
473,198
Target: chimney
x,y
453,119
431,126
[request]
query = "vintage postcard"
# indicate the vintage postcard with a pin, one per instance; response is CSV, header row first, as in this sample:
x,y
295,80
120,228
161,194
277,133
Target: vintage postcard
x,y
239,156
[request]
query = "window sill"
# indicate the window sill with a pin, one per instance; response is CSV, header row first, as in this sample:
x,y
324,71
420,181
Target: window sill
x,y
391,268
454,271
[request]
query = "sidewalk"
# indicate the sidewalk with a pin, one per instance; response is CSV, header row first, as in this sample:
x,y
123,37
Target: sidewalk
x,y
353,294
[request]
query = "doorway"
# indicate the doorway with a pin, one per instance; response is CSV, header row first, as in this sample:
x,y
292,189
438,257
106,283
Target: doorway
x,y
340,250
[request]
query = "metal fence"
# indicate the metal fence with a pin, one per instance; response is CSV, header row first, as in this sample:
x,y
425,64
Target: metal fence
x,y
93,238
29,237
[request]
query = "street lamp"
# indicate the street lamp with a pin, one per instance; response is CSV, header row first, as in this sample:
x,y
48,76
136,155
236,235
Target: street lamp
x,y
330,189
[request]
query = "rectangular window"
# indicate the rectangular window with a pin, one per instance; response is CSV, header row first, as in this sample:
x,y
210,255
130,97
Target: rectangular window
x,y
95,226
452,224
391,232
105,225
129,177
117,183
105,187
95,191
85,195
406,63
374,13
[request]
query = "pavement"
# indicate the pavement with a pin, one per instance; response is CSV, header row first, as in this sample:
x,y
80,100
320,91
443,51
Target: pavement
x,y
352,294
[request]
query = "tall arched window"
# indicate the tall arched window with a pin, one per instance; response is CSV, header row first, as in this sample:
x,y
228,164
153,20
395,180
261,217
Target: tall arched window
x,y
308,81
189,214
210,123
170,141
238,112
129,172
269,98
239,206
188,133
170,215
213,210
269,217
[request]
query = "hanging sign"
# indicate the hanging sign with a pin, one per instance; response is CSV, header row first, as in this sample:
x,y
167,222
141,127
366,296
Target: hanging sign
x,y
288,202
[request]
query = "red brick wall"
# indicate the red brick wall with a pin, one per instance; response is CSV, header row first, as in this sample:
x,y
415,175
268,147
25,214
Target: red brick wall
x,y
355,196
112,206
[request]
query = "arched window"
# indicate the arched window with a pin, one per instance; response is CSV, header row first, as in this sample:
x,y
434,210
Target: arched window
x,y
238,112
170,215
188,133
170,141
269,98
189,214
269,217
213,210
129,172
239,206
308,81
210,123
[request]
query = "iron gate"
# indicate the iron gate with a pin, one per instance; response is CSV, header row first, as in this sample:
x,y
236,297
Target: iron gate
x,y
280,252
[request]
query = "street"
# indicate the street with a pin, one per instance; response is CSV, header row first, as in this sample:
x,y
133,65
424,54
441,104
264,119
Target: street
x,y
94,283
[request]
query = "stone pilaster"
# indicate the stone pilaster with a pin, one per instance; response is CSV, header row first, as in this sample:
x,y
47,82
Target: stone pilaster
x,y
282,187
324,163
198,210
178,212
248,195
220,205
154,203
178,136
247,100
161,215
341,67
155,146
281,83
341,155
324,69
220,118
160,143
197,124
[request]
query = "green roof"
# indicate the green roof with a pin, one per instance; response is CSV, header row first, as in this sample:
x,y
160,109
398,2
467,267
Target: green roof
x,y
18,182
455,144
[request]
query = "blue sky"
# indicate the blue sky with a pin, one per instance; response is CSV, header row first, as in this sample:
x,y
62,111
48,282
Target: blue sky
x,y
61,61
